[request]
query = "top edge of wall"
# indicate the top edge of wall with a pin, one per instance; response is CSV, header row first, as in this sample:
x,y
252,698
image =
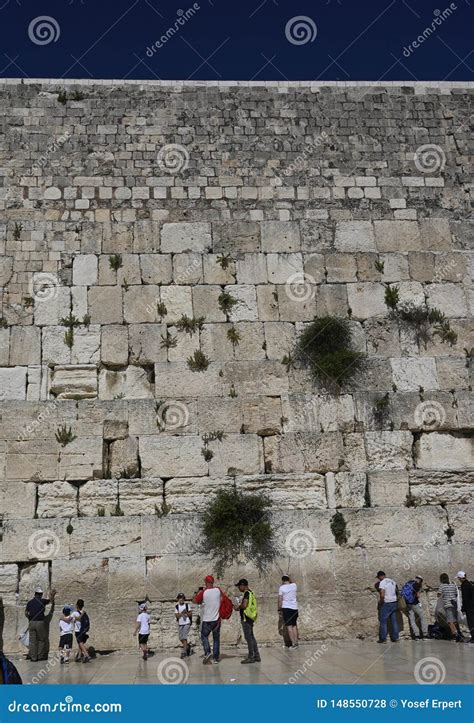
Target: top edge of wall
x,y
420,86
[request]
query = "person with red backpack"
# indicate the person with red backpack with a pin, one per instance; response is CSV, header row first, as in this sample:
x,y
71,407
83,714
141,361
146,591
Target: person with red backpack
x,y
410,593
210,599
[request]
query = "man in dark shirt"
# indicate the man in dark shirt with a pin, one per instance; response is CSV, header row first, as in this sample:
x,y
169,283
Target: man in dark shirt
x,y
467,605
37,628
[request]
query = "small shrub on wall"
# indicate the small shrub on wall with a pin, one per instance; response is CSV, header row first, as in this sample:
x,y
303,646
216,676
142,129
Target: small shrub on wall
x,y
237,525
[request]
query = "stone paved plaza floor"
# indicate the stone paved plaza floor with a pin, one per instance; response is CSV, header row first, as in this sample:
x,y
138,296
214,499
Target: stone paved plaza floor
x,y
349,661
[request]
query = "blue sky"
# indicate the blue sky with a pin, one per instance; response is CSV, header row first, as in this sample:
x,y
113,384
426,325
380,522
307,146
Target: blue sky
x,y
239,40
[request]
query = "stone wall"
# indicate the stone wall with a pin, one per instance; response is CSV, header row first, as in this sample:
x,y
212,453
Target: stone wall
x,y
120,199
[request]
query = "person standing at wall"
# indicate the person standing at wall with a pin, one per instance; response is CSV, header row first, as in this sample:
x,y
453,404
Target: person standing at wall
x,y
449,595
388,608
467,601
142,627
210,601
38,632
247,606
288,604
410,593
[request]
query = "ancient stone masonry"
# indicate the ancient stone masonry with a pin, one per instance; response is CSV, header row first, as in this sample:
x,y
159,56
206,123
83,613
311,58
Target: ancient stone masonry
x,y
163,245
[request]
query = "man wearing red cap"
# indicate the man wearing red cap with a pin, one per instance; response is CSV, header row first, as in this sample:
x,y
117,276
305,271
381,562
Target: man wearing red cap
x,y
210,601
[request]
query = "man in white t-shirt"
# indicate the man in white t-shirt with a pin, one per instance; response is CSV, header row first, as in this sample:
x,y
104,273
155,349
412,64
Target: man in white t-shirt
x,y
143,629
210,601
288,604
388,607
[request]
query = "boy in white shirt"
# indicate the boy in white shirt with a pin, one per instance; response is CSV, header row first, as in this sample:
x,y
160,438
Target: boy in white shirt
x,y
143,629
288,604
388,593
184,617
66,627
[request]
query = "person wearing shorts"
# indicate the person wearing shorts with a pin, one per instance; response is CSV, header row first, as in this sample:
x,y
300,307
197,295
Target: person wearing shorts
x,y
184,617
288,604
143,629
449,595
81,628
66,627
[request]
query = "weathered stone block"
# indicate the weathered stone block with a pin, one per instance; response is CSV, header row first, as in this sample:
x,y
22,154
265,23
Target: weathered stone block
x,y
355,236
366,300
179,237
388,486
280,236
57,499
442,487
74,381
346,489
25,347
156,268
131,383
252,269
288,492
105,304
191,495
282,268
187,269
444,451
141,497
13,383
17,499
97,495
303,452
239,453
206,303
145,341
172,457
140,304
409,374
114,345
123,458
176,381
85,270
389,450
178,301
393,236
81,459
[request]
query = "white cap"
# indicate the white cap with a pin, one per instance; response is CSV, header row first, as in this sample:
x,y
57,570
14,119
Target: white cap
x,y
461,574
38,591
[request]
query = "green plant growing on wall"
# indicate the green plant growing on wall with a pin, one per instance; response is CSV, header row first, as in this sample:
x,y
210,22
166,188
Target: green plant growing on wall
x,y
3,323
70,322
69,529
232,393
392,296
62,97
190,326
198,362
325,346
162,510
426,322
233,336
17,229
224,261
168,341
226,302
64,435
161,309
379,266
339,528
288,362
209,437
28,302
101,512
86,320
77,95
115,262
237,525
117,511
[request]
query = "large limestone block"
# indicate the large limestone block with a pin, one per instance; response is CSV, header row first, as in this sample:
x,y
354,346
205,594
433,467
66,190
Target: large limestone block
x,y
105,304
336,413
106,537
170,535
123,458
262,415
237,454
346,489
117,238
436,488
341,267
389,450
179,237
191,495
4,346
126,578
140,304
86,346
8,583
13,383
146,236
302,533
74,381
34,540
114,345
251,346
17,499
283,267
450,299
288,492
395,527
251,269
279,338
444,451
409,374
172,457
50,310
280,236
81,459
246,307
145,342
460,520
35,460
57,499
295,307
267,303
436,234
331,300
215,343
366,300
32,576
178,301
213,273
254,378
6,270
54,349
156,268
187,268
394,236
222,413
236,237
96,495
354,236
74,577
304,452
131,383
388,487
164,416
141,496
177,381
25,346
85,270
206,302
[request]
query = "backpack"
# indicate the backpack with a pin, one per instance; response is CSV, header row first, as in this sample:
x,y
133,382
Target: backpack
x,y
10,674
408,593
250,611
226,607
85,623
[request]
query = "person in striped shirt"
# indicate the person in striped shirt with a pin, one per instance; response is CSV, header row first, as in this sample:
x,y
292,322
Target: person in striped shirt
x,y
449,594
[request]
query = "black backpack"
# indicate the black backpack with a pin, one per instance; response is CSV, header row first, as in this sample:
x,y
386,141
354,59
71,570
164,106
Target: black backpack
x,y
85,623
10,674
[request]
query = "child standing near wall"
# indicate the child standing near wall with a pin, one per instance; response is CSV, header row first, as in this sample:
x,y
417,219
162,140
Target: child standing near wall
x,y
143,629
184,618
66,627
